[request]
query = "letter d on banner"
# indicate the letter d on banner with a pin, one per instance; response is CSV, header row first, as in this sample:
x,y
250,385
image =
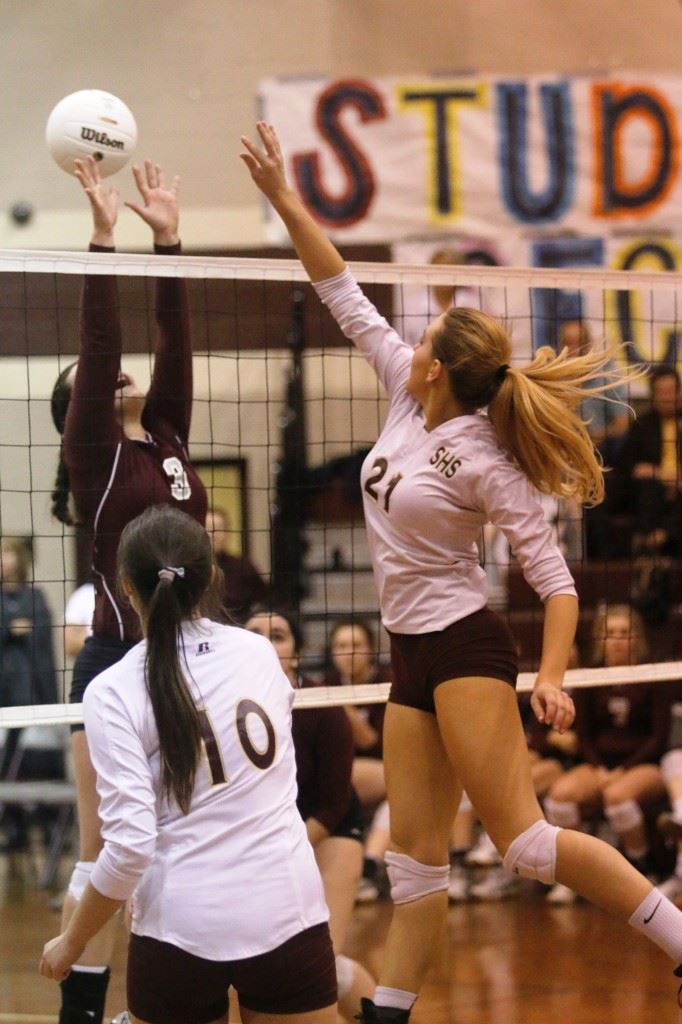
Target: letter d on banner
x,y
616,109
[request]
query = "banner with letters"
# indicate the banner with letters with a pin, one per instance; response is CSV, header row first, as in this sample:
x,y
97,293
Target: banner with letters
x,y
538,171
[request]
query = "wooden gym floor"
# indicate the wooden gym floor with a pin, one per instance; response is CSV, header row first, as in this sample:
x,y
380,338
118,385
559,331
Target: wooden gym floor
x,y
514,962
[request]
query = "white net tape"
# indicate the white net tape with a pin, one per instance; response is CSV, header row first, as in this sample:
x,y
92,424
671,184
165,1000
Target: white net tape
x,y
373,693
238,268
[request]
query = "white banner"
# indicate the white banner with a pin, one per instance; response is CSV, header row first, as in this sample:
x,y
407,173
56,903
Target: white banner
x,y
484,157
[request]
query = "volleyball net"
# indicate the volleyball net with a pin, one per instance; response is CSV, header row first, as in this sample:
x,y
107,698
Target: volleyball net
x,y
285,411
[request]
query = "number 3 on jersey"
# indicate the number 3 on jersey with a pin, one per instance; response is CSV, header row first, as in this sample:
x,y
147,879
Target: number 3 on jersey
x,y
261,757
379,470
179,488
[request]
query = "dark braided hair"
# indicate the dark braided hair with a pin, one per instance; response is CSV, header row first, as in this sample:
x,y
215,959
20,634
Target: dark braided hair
x,y
59,404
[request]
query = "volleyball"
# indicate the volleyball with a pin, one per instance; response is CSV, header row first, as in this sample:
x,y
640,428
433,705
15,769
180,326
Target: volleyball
x,y
91,123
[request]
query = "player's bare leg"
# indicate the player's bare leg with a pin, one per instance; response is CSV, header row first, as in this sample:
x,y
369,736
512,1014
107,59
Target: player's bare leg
x,y
424,794
84,991
340,862
492,762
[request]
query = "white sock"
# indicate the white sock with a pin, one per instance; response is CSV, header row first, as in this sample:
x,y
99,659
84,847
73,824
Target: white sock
x,y
89,970
661,921
396,998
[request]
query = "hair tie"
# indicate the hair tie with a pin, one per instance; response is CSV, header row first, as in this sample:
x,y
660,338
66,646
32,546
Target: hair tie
x,y
169,572
501,373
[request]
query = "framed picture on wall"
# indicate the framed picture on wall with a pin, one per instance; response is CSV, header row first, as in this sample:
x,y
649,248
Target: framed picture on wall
x,y
225,483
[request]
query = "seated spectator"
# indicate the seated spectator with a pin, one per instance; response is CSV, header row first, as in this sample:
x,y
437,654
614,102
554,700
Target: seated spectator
x,y
651,462
353,662
623,731
243,585
27,673
326,800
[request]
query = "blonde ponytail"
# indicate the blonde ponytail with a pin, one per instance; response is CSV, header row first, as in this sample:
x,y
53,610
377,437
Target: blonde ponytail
x,y
534,409
535,416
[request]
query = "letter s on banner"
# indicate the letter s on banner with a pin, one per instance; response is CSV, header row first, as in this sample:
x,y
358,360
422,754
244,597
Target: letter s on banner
x,y
351,205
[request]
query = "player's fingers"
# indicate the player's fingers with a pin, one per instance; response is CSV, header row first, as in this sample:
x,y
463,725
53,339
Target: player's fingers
x,y
256,152
139,180
150,172
160,178
175,184
538,707
267,134
250,162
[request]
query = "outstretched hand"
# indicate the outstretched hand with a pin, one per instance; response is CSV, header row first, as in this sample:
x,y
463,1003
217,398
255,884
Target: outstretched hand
x,y
103,200
265,165
159,206
552,706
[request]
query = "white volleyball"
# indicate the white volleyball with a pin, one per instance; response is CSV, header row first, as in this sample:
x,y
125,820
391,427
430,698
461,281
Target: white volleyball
x,y
91,123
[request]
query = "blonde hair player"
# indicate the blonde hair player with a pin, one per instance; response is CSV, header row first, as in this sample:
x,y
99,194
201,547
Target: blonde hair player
x,y
438,472
190,736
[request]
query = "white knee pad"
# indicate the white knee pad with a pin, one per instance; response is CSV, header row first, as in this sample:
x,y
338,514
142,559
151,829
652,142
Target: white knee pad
x,y
624,816
80,876
382,818
564,813
411,880
533,853
671,765
345,973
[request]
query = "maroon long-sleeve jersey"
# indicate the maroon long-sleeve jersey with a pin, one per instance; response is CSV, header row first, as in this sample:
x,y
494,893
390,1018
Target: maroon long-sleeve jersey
x,y
113,478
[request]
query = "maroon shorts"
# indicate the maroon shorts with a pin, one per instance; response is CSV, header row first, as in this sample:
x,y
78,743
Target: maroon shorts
x,y
166,985
479,645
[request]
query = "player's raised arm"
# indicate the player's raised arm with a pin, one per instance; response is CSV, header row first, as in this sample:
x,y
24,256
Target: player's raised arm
x,y
316,252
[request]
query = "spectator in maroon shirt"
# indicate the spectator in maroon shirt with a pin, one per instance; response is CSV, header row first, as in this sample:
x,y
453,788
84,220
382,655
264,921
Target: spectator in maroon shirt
x,y
121,452
326,800
242,586
623,731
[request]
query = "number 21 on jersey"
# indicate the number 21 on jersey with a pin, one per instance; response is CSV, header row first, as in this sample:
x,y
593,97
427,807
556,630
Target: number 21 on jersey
x,y
379,470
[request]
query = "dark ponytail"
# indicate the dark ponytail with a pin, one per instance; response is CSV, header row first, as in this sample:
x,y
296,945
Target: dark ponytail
x,y
166,557
62,492
59,405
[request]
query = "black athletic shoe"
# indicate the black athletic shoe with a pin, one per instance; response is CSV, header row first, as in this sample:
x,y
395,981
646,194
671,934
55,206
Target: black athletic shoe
x,y
372,1014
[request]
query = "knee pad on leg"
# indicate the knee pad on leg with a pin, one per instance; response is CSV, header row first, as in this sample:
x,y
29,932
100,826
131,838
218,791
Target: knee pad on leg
x,y
80,876
411,880
671,765
533,853
345,974
624,816
564,813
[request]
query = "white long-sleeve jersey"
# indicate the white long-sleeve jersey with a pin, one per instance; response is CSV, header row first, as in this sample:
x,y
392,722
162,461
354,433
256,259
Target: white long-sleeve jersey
x,y
236,876
427,494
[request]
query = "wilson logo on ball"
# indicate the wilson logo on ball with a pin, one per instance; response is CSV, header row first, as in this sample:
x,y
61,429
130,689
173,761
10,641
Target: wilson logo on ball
x,y
101,138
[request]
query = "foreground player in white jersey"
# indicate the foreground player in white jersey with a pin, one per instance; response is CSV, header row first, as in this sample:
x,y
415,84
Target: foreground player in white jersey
x,y
190,736
438,472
